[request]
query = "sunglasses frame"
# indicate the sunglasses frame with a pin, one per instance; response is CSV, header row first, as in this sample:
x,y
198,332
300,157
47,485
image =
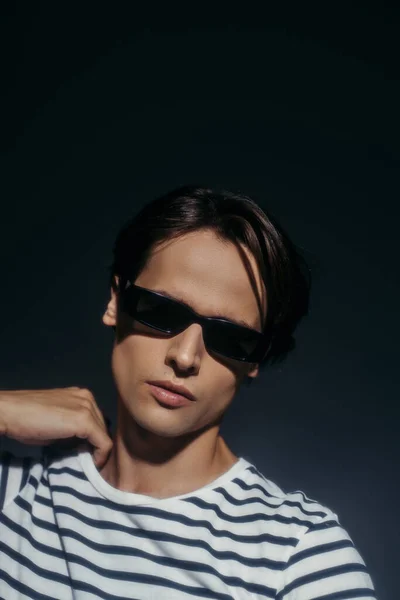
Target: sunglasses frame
x,y
255,357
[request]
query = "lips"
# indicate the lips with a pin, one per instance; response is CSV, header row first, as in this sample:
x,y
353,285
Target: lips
x,y
174,388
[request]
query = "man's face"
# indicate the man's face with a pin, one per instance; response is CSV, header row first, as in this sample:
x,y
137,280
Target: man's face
x,y
210,276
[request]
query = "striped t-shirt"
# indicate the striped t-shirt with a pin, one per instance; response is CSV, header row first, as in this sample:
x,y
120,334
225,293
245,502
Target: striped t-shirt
x,y
66,534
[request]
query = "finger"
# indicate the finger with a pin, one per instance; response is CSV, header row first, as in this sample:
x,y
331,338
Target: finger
x,y
96,410
100,441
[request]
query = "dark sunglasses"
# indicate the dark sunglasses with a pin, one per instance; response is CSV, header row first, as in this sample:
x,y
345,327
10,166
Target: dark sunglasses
x,y
171,316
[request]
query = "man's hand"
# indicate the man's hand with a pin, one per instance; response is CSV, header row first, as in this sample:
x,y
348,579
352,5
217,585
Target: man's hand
x,y
40,417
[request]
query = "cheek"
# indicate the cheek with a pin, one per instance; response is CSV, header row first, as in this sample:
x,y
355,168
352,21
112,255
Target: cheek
x,y
131,356
230,372
220,383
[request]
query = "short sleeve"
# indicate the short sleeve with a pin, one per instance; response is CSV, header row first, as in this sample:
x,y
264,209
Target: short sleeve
x,y
14,473
325,565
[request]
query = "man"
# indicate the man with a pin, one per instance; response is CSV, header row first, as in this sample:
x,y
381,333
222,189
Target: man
x,y
206,289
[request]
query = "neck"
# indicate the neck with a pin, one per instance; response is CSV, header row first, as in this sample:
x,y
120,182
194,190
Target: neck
x,y
145,463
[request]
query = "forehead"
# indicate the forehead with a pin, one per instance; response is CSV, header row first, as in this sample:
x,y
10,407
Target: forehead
x,y
208,274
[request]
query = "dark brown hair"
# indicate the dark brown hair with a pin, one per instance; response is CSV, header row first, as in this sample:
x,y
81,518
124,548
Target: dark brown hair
x,y
236,218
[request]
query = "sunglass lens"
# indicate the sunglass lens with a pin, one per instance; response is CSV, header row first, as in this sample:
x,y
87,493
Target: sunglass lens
x,y
160,312
230,341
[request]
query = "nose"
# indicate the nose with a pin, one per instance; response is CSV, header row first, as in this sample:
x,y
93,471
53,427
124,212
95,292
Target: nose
x,y
186,349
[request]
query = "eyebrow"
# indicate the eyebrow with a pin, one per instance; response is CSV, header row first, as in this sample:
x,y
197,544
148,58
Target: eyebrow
x,y
239,322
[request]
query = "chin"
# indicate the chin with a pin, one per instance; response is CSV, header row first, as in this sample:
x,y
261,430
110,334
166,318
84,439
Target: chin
x,y
169,425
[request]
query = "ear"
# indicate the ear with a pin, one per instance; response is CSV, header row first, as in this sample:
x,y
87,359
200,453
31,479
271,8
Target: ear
x,y
110,314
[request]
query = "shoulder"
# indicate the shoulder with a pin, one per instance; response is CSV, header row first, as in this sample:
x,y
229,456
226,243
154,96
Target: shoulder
x,y
15,472
294,507
321,557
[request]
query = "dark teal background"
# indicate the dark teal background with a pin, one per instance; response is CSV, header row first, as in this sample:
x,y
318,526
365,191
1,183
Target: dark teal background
x,y
104,109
